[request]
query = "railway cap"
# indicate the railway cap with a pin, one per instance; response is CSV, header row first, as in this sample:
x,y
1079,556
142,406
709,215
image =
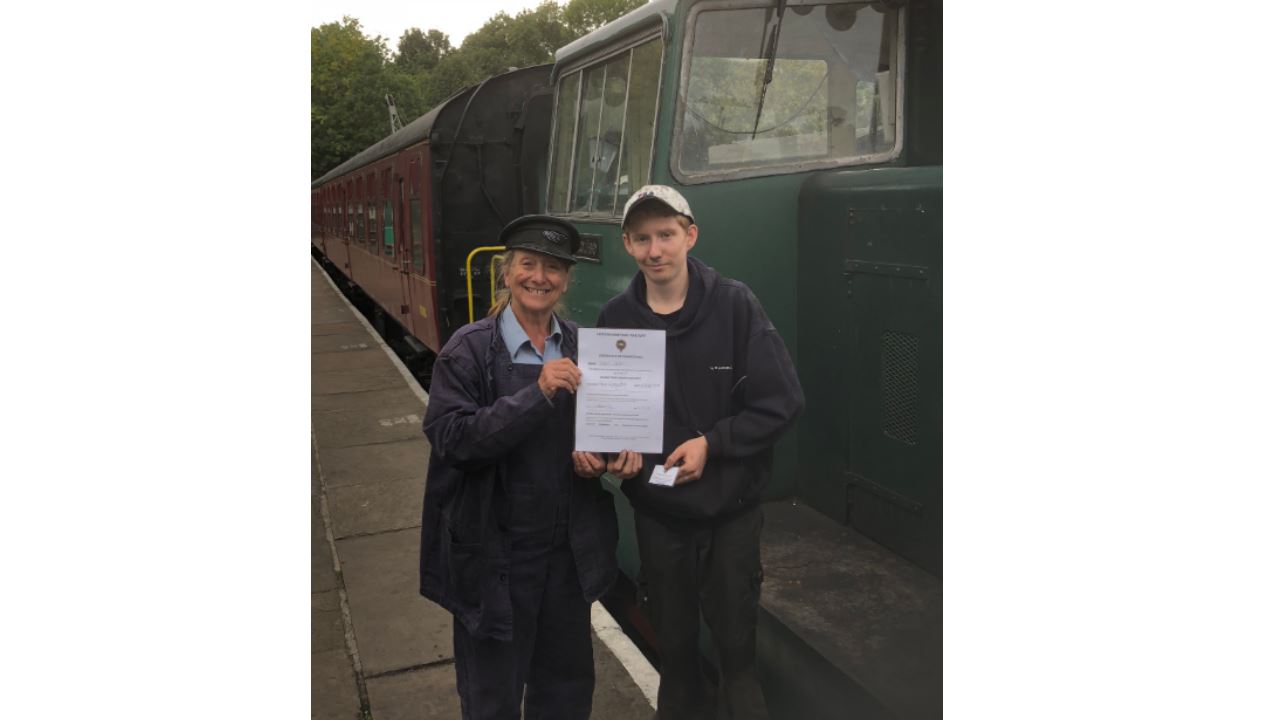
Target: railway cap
x,y
542,234
661,193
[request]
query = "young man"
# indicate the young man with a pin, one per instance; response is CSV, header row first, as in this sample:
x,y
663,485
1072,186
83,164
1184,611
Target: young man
x,y
731,391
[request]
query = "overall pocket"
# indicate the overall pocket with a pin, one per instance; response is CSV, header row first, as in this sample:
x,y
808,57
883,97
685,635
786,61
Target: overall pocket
x,y
468,571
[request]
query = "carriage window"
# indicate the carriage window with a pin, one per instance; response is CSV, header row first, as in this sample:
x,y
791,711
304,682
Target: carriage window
x,y
828,96
604,131
388,228
370,236
358,226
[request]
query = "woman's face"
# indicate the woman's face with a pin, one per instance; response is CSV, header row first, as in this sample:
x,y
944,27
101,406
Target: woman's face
x,y
536,281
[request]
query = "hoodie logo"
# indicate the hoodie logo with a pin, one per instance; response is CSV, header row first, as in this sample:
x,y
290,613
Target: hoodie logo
x,y
621,345
720,367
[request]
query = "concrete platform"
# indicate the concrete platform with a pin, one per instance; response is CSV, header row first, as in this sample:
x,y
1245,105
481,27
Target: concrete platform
x,y
378,649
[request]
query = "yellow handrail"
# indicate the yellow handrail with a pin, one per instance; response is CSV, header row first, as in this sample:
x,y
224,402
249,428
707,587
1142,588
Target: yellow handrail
x,y
493,280
471,303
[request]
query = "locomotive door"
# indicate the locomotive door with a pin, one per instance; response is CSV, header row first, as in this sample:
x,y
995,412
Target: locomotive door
x,y
870,330
893,277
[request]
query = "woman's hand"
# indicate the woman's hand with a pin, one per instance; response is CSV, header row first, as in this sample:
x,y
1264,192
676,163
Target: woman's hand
x,y
559,374
625,464
588,464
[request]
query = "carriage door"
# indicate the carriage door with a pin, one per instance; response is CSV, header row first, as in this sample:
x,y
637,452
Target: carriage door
x,y
407,192
349,225
422,302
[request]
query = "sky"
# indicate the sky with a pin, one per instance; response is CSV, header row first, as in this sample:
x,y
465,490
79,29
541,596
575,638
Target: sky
x,y
390,18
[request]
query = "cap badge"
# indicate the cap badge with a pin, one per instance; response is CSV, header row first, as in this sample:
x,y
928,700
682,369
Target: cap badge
x,y
555,237
621,345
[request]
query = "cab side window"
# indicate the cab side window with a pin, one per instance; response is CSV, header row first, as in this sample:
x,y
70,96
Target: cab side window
x,y
603,144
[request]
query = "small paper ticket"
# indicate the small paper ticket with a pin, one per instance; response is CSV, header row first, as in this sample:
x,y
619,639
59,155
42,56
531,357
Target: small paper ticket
x,y
664,476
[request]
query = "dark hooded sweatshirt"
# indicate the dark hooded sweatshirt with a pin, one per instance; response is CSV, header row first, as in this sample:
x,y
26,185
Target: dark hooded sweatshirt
x,y
729,378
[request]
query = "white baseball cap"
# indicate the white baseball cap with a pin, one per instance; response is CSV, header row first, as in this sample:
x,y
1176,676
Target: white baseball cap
x,y
662,193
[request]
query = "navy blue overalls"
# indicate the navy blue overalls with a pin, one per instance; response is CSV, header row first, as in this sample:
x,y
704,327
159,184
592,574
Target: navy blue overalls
x,y
548,662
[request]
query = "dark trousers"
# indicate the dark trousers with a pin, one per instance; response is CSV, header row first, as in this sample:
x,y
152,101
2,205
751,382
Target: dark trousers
x,y
548,661
712,566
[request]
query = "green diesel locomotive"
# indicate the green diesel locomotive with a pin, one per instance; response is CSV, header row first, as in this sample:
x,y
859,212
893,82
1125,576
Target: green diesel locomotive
x,y
807,136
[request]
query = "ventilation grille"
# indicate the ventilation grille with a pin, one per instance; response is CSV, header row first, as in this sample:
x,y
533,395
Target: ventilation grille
x,y
900,386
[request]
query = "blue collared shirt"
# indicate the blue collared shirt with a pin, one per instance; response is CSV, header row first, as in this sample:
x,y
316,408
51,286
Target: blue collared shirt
x,y
518,344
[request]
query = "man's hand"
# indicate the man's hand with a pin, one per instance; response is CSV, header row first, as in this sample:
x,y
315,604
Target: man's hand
x,y
588,464
626,464
694,454
559,374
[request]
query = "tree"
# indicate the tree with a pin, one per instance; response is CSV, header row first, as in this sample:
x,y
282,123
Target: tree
x,y
529,38
348,82
352,73
583,16
419,52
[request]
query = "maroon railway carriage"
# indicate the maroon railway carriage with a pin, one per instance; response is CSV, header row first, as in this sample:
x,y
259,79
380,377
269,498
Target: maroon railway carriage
x,y
399,219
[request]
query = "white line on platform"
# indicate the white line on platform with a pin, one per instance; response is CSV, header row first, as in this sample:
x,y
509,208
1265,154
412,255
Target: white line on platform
x,y
605,627
626,651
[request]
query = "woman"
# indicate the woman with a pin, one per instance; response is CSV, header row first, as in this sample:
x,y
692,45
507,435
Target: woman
x,y
513,543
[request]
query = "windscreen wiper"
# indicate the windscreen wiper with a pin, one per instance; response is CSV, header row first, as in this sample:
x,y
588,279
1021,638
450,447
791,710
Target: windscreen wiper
x,y
769,55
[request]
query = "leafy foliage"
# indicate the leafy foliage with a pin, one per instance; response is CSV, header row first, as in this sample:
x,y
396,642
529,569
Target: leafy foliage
x,y
351,73
419,52
348,81
583,16
502,43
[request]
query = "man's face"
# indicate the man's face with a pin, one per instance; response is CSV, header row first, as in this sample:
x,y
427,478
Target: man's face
x,y
536,281
660,246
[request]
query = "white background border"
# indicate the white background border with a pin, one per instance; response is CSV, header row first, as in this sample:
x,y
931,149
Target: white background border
x,y
1110,360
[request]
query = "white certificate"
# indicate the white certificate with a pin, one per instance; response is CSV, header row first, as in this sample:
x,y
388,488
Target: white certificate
x,y
621,392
